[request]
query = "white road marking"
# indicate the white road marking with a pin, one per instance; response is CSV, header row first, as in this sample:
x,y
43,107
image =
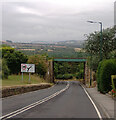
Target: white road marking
x,y
99,115
12,114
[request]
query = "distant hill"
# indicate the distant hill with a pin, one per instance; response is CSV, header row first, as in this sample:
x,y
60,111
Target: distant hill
x,y
41,42
72,43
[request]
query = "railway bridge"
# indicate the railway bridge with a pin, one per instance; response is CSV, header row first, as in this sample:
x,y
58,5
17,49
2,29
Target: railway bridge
x,y
50,73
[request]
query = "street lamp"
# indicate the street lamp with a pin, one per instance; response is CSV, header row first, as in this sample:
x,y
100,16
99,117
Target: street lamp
x,y
101,38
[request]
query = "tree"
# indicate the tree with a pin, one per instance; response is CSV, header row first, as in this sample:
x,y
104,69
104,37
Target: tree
x,y
13,59
92,44
40,64
68,68
112,54
93,62
41,69
7,50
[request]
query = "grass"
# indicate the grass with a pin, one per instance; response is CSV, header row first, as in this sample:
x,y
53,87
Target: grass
x,y
17,80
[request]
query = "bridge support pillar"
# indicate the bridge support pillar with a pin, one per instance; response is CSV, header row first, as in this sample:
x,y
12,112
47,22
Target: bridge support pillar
x,y
87,74
84,80
50,72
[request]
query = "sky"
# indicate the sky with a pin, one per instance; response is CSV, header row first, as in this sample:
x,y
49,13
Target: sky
x,y
54,20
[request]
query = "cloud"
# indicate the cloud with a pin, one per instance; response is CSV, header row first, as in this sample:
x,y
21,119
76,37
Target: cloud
x,y
24,10
52,20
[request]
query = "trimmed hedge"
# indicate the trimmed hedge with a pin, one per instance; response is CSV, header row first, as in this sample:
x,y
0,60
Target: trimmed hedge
x,y
98,75
105,69
65,76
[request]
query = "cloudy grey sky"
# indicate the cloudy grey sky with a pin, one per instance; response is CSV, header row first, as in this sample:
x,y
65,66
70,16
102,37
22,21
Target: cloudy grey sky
x,y
54,20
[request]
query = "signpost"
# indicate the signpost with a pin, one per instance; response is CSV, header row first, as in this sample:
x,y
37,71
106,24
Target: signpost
x,y
29,68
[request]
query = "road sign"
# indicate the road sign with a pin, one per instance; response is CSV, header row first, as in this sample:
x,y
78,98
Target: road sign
x,y
28,68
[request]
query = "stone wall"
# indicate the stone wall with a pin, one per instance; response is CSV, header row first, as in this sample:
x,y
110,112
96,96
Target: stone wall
x,y
9,91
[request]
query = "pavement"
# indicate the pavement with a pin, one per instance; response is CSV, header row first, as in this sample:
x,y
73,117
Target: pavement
x,y
104,102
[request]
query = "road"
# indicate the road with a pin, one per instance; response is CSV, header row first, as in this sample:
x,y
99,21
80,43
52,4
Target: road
x,y
70,102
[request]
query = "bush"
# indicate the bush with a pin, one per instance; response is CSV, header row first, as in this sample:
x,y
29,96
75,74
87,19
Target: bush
x,y
5,70
77,77
59,76
115,83
68,76
41,69
80,75
98,75
64,77
105,69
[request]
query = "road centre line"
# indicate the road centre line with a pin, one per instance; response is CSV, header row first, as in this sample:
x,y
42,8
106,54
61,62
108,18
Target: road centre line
x,y
12,114
99,115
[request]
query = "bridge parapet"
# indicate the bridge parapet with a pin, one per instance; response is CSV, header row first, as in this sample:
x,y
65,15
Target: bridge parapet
x,y
70,59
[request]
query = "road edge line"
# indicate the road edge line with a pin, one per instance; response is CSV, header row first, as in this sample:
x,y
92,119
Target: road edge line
x,y
97,110
107,115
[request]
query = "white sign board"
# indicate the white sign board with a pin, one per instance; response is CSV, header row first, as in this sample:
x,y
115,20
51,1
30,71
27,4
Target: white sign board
x,y
28,68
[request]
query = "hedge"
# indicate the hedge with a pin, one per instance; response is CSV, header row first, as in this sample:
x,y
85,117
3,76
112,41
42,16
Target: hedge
x,y
105,69
98,75
5,70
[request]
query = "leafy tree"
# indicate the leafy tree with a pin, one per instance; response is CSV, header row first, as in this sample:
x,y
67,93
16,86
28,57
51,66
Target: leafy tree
x,y
61,68
13,59
65,68
40,64
112,54
41,69
92,44
7,50
93,62
80,74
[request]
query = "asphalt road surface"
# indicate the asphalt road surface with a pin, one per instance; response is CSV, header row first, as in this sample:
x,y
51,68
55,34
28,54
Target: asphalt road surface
x,y
70,101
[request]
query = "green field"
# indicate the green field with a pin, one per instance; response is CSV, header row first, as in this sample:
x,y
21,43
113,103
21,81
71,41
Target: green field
x,y
17,80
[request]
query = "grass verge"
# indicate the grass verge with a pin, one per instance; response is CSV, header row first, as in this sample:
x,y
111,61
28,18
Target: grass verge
x,y
17,80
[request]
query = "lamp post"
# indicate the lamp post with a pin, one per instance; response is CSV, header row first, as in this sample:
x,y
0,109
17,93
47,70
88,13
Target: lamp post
x,y
101,37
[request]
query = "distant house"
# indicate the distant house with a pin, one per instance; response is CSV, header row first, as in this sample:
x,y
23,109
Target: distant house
x,y
9,41
3,42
